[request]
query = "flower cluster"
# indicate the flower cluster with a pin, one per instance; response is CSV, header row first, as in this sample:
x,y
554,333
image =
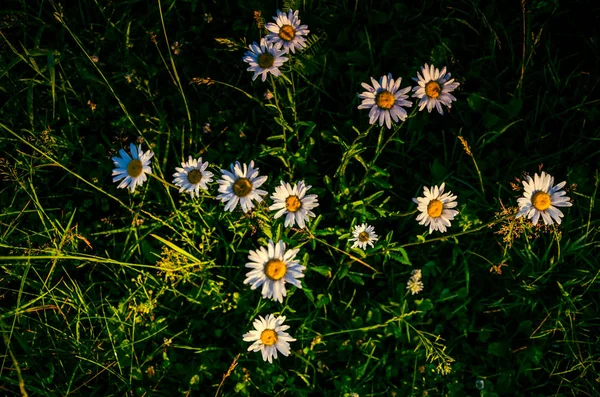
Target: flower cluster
x,y
386,100
414,284
274,267
286,35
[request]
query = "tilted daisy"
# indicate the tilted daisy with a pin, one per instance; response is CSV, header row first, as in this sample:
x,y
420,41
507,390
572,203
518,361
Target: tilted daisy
x,y
269,337
434,88
240,186
436,208
192,176
264,58
272,268
385,99
363,235
132,170
294,203
287,32
541,198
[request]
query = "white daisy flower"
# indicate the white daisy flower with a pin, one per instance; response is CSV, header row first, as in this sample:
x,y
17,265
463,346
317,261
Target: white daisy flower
x,y
264,58
287,32
269,337
385,99
272,268
434,88
541,198
240,185
363,235
192,176
132,169
294,203
436,208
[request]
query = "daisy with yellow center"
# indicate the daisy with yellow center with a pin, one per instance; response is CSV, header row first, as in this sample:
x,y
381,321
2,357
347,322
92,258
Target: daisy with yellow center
x,y
363,235
241,186
434,88
273,267
436,208
385,99
269,337
132,170
286,32
541,199
192,176
294,203
264,58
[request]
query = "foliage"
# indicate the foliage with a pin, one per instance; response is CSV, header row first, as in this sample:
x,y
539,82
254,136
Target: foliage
x,y
107,293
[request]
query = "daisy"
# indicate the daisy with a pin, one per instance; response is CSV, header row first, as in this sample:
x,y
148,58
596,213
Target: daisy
x,y
385,99
268,336
192,176
435,208
272,268
363,235
240,185
287,32
132,169
414,284
434,88
263,59
294,203
541,198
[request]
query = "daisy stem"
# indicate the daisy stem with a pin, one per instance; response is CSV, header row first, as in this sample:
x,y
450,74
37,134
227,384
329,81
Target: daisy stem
x,y
479,174
312,236
457,234
274,88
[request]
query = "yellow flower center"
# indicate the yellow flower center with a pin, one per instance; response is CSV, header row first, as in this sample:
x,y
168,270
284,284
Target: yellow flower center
x,y
266,60
385,100
363,237
541,201
135,168
433,89
275,269
287,33
242,187
435,208
293,203
268,337
194,176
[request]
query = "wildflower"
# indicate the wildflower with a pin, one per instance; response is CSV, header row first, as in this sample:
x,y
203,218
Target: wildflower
x,y
240,186
132,169
434,88
414,284
436,208
287,32
541,198
263,59
272,267
192,176
294,203
268,95
363,235
385,99
269,337
176,48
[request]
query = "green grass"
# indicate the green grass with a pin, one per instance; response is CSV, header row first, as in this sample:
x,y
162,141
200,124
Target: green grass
x,y
104,292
